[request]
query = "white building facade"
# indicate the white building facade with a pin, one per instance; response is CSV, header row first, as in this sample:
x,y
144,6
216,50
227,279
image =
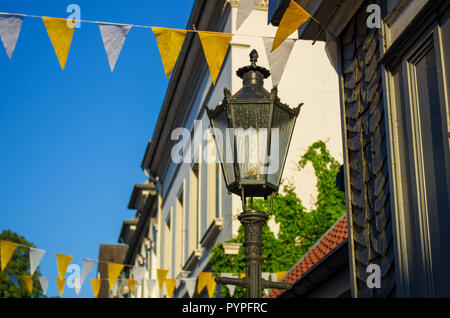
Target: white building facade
x,y
184,209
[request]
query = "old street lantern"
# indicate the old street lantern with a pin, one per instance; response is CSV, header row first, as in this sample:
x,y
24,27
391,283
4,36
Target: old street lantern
x,y
253,130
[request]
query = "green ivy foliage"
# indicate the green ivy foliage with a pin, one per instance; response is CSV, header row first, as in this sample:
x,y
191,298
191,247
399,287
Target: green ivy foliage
x,y
298,229
19,265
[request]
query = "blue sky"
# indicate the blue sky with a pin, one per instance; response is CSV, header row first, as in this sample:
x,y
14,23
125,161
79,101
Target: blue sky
x,y
72,141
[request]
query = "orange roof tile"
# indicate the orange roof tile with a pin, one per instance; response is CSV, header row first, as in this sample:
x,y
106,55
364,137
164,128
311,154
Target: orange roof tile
x,y
327,244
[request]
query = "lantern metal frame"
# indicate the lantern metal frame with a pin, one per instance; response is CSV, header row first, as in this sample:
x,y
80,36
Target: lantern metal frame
x,y
239,186
252,94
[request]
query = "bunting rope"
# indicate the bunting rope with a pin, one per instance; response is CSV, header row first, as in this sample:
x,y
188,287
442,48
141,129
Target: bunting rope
x,y
194,30
115,274
170,41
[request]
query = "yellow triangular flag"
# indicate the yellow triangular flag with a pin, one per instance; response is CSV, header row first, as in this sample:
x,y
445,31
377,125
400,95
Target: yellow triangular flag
x,y
61,37
292,19
96,283
170,286
62,262
114,270
28,280
203,279
280,275
161,276
6,250
169,42
211,286
60,282
215,46
131,283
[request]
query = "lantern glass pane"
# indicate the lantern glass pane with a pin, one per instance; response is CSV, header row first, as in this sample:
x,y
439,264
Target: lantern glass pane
x,y
225,144
282,127
251,151
250,122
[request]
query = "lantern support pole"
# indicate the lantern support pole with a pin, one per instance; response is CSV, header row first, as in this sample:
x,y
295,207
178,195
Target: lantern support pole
x,y
253,222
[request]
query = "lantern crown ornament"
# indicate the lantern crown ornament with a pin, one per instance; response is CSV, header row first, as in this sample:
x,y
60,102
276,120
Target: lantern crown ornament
x,y
253,130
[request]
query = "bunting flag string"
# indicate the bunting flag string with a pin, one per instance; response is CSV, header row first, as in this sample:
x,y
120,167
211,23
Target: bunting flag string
x,y
77,286
203,279
10,25
136,275
292,19
150,283
278,58
62,262
113,36
114,270
115,289
244,10
95,283
185,274
280,275
211,286
169,42
215,47
6,251
170,286
35,258
44,284
161,275
61,37
190,285
87,267
28,280
131,284
60,283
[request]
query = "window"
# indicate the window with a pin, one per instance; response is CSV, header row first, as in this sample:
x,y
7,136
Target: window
x,y
194,211
212,183
167,241
218,190
154,238
178,234
422,156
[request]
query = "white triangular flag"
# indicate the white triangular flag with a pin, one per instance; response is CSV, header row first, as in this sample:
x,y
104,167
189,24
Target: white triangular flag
x,y
190,285
150,285
266,276
87,266
138,273
231,288
115,288
184,274
113,38
273,277
331,49
244,9
10,25
77,285
44,284
35,258
14,280
278,58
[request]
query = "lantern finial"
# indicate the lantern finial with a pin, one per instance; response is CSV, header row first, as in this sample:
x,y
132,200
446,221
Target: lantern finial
x,y
265,73
253,57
